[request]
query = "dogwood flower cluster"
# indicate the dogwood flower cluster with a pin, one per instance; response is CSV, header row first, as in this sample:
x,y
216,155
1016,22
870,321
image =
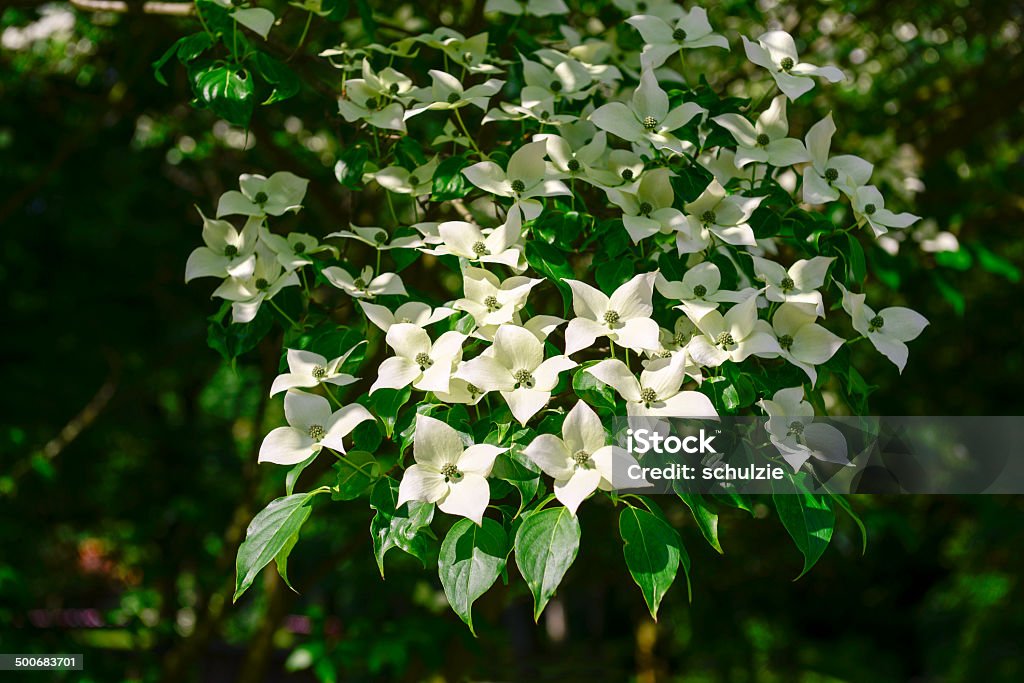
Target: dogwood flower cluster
x,y
572,231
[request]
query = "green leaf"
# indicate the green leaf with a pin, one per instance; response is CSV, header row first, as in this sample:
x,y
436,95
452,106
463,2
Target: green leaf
x,y
842,502
994,263
592,390
268,534
405,527
809,519
186,48
231,340
226,91
277,74
349,169
448,181
856,266
703,513
357,472
281,560
612,274
546,546
960,259
386,403
653,552
256,19
472,558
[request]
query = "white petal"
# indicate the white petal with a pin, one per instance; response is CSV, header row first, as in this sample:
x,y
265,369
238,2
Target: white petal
x,y
525,403
420,483
435,443
573,491
467,497
286,446
617,375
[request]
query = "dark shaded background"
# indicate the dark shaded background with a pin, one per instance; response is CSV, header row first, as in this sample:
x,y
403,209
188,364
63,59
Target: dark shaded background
x,y
128,448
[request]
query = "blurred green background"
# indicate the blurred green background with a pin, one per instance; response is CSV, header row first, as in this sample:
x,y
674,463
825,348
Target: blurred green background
x,y
128,449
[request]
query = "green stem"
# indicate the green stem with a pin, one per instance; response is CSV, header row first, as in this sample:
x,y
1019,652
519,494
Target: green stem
x,y
302,38
465,131
761,99
330,394
283,314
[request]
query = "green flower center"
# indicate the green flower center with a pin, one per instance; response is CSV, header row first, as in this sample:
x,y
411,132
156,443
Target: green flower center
x,y
611,317
450,472
645,209
316,432
679,35
641,7
473,390
679,339
480,249
467,57
581,458
870,209
319,372
648,396
518,186
423,360
370,104
414,180
453,98
261,198
300,247
831,175
795,428
650,123
725,339
523,378
556,86
230,251
393,88
876,323
763,140
786,342
545,115
261,283
381,237
708,217
787,284
699,291
787,63
627,174
360,283
573,165
492,303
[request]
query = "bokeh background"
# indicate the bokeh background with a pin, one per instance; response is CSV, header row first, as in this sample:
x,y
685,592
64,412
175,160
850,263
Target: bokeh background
x,y
128,448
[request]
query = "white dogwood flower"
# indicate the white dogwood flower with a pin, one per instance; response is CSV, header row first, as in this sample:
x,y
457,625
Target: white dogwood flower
x,y
311,426
764,141
492,301
666,10
307,369
378,238
826,176
776,52
361,101
624,317
261,196
447,92
417,182
581,461
294,249
525,178
498,245
797,284
228,252
568,80
793,431
690,31
446,472
470,53
515,366
888,330
869,207
536,8
587,161
657,393
649,210
247,294
699,289
804,343
365,286
425,365
734,336
415,312
648,118
715,214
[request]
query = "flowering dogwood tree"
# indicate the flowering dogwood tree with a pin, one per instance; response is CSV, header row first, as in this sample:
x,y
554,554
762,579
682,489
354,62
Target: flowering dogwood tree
x,y
576,226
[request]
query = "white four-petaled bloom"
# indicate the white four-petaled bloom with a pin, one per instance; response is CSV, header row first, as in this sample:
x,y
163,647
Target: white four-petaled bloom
x,y
311,426
308,369
580,461
447,92
624,317
525,178
649,210
798,284
717,214
699,289
426,365
415,312
537,8
804,343
246,294
869,207
826,176
657,393
793,431
734,336
776,52
365,286
764,141
261,196
469,241
491,301
514,365
888,330
690,31
446,472
228,252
